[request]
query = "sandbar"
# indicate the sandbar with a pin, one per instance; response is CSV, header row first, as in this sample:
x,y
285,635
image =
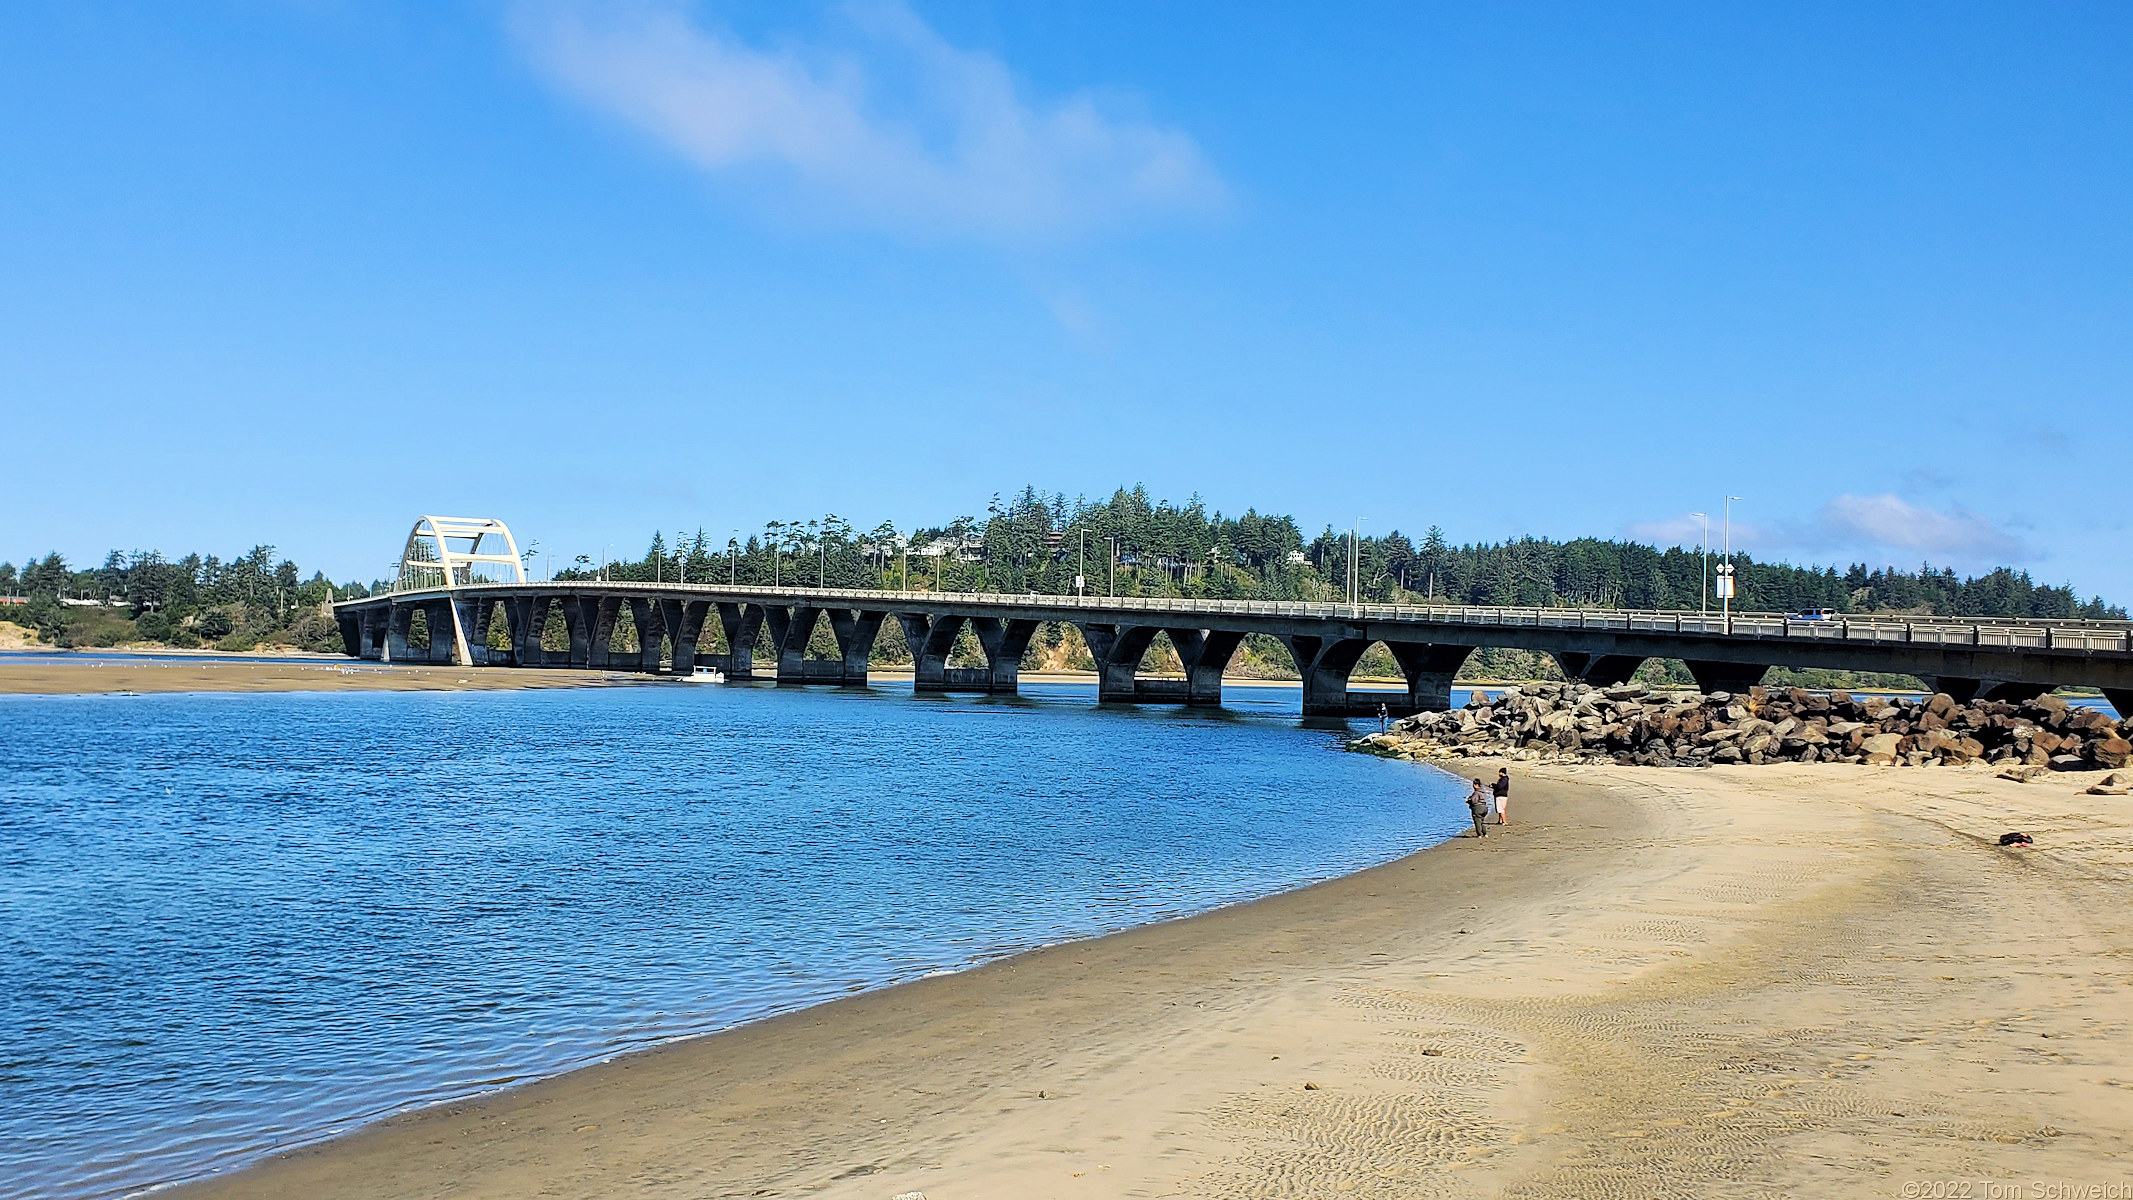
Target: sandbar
x,y
51,675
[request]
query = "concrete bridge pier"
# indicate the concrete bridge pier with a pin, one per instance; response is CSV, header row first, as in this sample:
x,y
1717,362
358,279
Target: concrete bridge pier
x,y
529,619
1118,650
1003,642
580,614
400,622
1599,670
1725,676
439,617
1205,654
791,629
856,630
741,623
356,629
1325,664
1429,669
684,622
473,618
596,615
651,627
1965,690
932,639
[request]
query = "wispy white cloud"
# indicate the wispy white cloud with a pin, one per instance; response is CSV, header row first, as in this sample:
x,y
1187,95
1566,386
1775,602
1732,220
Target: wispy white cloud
x,y
1882,528
1888,521
892,128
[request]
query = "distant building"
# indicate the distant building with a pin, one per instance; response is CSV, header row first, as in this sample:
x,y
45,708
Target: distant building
x,y
969,547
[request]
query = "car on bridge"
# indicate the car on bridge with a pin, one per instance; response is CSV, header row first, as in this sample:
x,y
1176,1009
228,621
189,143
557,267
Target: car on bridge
x,y
1814,614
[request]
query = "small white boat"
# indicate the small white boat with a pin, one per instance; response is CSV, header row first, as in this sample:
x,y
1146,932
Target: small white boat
x,y
707,675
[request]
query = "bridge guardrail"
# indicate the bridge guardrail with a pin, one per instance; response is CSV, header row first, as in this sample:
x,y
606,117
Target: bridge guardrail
x,y
1994,632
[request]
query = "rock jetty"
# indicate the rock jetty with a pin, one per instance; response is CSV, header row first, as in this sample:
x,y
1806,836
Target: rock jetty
x,y
1635,726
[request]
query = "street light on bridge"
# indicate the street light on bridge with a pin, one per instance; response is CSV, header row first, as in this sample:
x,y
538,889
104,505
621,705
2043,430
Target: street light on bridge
x,y
1703,605
1355,558
1725,570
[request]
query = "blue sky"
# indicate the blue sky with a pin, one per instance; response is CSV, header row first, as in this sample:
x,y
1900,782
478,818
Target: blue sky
x,y
297,272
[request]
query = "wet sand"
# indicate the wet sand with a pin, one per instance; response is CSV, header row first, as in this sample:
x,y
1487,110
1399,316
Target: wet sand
x,y
61,677
1762,981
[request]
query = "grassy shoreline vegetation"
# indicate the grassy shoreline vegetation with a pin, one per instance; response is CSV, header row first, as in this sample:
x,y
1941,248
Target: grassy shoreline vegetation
x,y
1127,544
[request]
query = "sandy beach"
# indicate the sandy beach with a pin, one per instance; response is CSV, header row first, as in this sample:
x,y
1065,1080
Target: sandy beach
x,y
1759,981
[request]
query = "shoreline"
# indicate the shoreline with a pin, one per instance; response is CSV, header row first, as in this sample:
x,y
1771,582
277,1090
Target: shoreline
x,y
310,1168
147,676
1807,979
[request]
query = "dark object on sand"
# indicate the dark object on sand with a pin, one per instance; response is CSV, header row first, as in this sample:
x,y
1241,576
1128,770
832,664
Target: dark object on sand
x,y
2014,839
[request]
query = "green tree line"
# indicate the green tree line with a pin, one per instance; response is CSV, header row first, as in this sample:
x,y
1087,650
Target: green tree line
x,y
1129,544
250,600
1126,544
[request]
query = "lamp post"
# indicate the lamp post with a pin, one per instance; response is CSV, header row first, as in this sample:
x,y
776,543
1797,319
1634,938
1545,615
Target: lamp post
x,y
1355,558
1703,604
1112,569
733,559
1081,562
1725,589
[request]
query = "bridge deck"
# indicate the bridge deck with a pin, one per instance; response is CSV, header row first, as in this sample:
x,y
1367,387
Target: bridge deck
x,y
1963,655
2000,632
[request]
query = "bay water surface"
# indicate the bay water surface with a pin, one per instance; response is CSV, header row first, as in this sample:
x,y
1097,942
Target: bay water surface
x,y
235,923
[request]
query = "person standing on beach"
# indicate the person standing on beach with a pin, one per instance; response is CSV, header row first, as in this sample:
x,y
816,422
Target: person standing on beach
x,y
1503,795
1477,803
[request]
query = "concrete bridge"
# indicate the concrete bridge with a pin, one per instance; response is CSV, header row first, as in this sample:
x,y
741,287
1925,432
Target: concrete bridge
x,y
1964,657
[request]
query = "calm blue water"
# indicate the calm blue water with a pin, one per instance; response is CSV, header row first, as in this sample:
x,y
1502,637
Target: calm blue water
x,y
230,923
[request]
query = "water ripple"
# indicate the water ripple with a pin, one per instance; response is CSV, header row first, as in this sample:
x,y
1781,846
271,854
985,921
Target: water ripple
x,y
230,924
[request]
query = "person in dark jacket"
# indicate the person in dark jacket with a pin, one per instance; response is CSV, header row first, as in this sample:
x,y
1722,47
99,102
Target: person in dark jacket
x,y
1503,795
1477,803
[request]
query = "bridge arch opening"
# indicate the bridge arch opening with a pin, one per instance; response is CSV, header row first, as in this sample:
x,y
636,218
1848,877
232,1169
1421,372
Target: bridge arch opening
x,y
1057,646
626,642
493,623
1328,664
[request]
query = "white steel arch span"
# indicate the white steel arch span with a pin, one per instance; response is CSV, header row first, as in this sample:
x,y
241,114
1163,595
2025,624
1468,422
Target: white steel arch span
x,y
452,552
